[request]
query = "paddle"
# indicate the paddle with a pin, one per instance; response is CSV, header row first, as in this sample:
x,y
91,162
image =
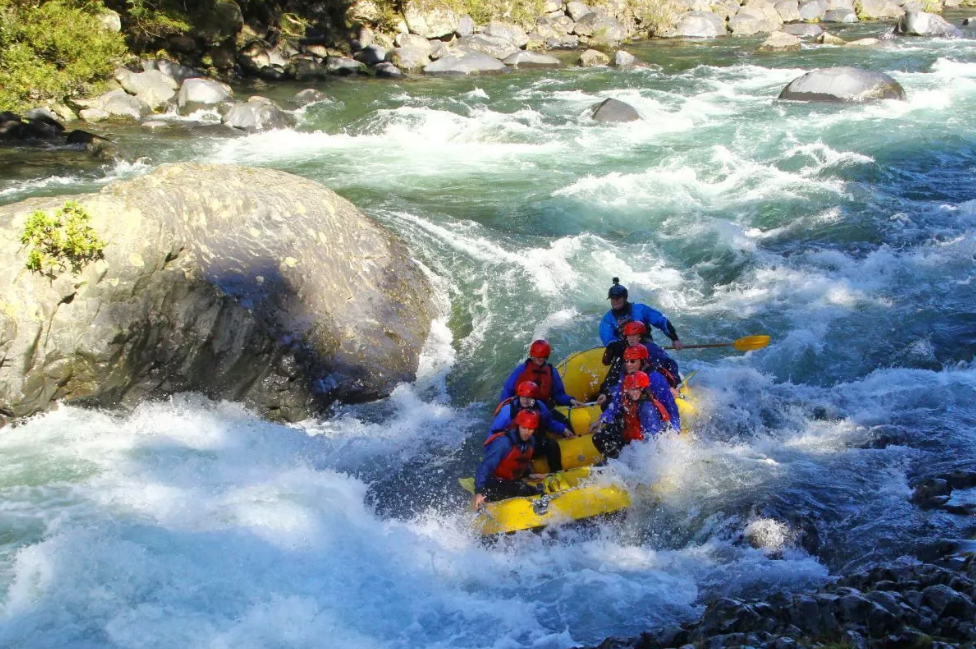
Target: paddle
x,y
745,344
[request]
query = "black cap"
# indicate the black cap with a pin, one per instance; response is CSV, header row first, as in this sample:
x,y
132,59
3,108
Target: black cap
x,y
617,290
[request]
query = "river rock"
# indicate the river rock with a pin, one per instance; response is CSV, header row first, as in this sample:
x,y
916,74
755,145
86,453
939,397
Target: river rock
x,y
526,60
920,23
813,10
826,38
197,94
600,29
780,42
371,55
466,26
843,15
625,60
116,104
614,111
465,62
343,66
788,10
803,30
257,114
494,46
843,84
387,70
434,23
508,31
153,87
309,96
878,9
593,59
411,58
175,71
697,24
245,284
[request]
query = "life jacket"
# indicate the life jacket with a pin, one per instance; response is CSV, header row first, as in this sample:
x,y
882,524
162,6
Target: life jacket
x,y
517,463
623,318
541,376
632,424
663,371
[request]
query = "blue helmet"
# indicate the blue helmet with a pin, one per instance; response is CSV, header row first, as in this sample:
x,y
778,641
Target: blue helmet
x,y
617,290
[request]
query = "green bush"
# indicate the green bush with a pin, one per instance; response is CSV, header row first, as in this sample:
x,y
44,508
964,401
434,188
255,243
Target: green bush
x,y
147,21
61,239
52,50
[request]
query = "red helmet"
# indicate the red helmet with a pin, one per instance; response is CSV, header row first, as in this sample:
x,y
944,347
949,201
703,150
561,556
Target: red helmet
x,y
529,418
540,348
635,351
527,389
635,381
635,329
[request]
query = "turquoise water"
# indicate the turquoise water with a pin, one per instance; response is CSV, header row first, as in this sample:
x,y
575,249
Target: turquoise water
x,y
844,232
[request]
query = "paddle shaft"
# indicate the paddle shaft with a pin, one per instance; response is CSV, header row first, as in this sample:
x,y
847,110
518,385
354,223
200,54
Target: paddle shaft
x,y
703,346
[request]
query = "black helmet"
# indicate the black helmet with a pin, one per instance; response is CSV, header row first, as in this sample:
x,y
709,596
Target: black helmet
x,y
617,290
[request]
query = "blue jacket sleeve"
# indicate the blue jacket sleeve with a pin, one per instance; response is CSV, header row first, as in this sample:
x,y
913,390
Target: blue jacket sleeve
x,y
653,318
611,412
650,418
559,390
662,392
494,454
508,390
502,419
547,421
608,329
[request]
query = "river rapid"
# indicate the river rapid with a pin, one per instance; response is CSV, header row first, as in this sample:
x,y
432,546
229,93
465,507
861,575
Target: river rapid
x,y
844,232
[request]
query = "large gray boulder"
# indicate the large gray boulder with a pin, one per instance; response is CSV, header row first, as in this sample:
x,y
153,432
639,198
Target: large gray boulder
x,y
116,104
843,84
698,24
614,111
510,32
465,62
246,284
153,87
257,114
433,23
803,30
920,23
878,9
525,60
196,94
494,46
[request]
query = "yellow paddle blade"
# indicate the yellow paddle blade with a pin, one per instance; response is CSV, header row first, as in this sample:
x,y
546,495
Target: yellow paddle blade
x,y
467,483
751,343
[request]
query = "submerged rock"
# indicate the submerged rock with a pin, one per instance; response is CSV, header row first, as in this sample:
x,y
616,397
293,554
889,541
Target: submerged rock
x,y
244,284
613,110
920,23
843,84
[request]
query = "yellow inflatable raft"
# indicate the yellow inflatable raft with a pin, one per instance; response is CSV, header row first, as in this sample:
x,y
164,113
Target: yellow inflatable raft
x,y
569,496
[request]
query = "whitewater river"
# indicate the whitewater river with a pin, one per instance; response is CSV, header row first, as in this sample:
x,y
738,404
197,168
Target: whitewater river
x,y
844,232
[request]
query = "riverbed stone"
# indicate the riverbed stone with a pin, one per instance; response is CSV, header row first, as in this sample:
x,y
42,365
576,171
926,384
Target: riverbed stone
x,y
246,284
197,94
118,104
435,22
256,114
803,30
697,24
528,60
920,23
465,62
494,46
387,70
839,16
843,84
411,58
593,59
780,42
614,111
508,31
826,38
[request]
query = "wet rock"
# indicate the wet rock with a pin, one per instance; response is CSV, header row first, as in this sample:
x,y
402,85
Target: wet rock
x,y
192,293
803,30
371,55
614,111
116,104
826,38
257,114
153,87
528,60
625,60
843,84
780,42
411,58
344,66
494,46
175,71
465,62
920,23
697,24
593,58
388,71
38,125
932,493
197,94
309,96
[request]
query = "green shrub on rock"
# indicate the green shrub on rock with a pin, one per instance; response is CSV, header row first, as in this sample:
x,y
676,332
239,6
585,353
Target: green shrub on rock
x,y
61,239
52,50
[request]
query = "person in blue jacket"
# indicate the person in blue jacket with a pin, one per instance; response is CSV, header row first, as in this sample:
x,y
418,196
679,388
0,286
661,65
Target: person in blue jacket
x,y
636,415
508,459
540,371
635,360
525,399
622,311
